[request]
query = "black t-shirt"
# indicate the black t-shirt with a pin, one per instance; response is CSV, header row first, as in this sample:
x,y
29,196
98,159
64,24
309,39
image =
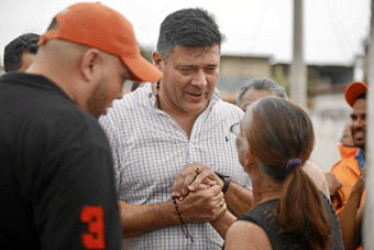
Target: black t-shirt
x,y
56,180
264,216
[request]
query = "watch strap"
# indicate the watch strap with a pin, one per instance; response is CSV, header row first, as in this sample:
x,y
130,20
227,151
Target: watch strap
x,y
226,181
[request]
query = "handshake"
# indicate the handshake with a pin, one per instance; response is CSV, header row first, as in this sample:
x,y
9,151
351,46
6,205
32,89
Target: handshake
x,y
197,194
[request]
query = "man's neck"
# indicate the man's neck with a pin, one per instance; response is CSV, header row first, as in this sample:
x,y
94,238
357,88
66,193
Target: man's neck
x,y
185,120
363,150
60,79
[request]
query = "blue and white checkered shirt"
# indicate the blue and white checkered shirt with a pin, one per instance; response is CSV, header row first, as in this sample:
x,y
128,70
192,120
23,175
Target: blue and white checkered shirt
x,y
149,149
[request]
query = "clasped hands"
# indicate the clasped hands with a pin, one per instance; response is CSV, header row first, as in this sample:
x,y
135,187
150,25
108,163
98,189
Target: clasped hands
x,y
197,190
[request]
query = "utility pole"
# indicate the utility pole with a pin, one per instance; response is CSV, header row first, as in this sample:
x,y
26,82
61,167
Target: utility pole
x,y
369,154
298,70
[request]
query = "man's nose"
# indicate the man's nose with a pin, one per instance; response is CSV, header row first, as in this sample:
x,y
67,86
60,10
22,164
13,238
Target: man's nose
x,y
199,79
358,123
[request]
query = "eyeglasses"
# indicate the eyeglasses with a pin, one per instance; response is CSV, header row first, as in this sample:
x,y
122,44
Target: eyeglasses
x,y
235,129
241,143
245,107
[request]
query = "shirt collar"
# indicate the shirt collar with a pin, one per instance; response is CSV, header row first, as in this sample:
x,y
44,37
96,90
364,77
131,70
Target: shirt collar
x,y
35,81
152,99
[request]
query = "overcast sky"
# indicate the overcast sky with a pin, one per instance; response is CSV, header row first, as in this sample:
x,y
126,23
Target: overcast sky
x,y
334,30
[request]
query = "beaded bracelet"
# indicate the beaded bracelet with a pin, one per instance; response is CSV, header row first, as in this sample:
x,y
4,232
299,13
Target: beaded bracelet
x,y
184,226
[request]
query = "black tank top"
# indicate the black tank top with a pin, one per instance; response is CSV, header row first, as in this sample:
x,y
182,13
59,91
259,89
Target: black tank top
x,y
263,216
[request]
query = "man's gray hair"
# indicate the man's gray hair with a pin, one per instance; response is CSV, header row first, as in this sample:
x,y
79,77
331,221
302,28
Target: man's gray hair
x,y
262,84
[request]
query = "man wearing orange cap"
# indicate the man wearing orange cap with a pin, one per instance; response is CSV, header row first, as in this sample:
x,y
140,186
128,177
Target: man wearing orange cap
x,y
57,186
350,170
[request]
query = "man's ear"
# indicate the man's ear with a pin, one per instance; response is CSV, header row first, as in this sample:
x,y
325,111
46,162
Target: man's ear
x,y
90,64
157,58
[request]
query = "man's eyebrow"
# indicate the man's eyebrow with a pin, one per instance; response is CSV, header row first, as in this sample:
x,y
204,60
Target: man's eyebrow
x,y
185,66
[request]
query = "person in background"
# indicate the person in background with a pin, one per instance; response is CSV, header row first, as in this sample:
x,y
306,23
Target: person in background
x,y
349,168
347,139
351,216
346,149
258,88
334,186
20,52
57,180
175,163
349,199
274,140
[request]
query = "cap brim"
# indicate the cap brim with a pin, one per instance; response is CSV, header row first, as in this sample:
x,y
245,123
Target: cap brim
x,y
142,70
354,90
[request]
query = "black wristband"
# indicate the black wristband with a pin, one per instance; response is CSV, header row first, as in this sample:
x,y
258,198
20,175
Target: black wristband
x,y
226,181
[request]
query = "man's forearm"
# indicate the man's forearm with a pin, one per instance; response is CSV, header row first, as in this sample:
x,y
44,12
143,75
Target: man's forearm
x,y
348,220
201,206
239,199
141,219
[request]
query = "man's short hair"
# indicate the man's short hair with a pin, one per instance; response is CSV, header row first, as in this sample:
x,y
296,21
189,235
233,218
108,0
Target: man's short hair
x,y
363,96
262,84
193,27
14,50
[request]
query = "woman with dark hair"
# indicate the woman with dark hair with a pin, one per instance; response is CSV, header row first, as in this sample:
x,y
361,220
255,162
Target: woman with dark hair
x,y
274,140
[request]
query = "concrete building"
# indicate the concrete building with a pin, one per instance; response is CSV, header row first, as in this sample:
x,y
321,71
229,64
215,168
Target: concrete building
x,y
235,70
326,104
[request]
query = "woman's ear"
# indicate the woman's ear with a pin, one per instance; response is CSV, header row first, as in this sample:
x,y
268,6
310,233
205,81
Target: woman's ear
x,y
243,157
249,158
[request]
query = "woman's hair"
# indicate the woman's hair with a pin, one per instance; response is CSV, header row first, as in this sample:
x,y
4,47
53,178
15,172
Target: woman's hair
x,y
281,137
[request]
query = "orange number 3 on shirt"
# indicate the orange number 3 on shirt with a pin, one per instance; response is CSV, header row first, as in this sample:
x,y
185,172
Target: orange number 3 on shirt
x,y
94,216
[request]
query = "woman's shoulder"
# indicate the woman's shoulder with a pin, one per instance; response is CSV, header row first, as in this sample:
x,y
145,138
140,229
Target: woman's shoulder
x,y
246,235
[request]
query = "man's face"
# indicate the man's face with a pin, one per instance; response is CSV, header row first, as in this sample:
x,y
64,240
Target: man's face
x,y
189,79
253,95
27,59
347,139
109,87
358,126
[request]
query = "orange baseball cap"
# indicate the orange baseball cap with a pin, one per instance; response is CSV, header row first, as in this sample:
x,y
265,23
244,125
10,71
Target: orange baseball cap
x,y
98,26
354,90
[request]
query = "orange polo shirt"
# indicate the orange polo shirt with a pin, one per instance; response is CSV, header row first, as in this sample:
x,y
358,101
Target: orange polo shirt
x,y
347,172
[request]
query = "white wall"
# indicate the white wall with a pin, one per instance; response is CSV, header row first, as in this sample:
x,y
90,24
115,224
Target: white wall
x,y
329,116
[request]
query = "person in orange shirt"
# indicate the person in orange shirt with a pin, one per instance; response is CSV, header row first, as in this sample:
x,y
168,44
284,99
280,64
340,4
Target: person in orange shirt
x,y
350,169
347,150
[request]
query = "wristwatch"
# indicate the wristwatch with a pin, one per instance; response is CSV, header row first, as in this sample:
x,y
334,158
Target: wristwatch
x,y
226,181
